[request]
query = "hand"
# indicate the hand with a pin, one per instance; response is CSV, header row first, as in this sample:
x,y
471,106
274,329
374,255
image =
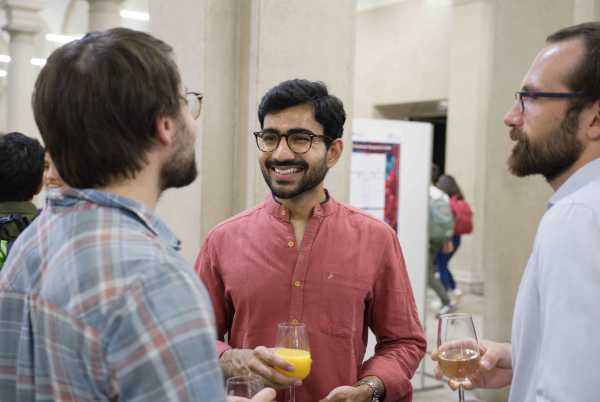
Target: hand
x,y
347,393
259,361
265,395
495,367
448,247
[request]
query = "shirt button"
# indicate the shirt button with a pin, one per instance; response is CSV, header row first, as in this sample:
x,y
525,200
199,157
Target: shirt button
x,y
282,212
290,243
297,284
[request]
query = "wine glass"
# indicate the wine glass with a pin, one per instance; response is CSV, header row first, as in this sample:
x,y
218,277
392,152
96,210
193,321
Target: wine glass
x,y
292,346
458,349
244,385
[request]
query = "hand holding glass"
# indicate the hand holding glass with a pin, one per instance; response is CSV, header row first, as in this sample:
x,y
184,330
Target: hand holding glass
x,y
292,346
458,348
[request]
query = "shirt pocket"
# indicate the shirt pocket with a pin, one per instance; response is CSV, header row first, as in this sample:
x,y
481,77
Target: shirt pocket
x,y
343,298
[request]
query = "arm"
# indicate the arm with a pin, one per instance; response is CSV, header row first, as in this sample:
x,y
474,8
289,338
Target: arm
x,y
207,269
160,342
260,361
392,315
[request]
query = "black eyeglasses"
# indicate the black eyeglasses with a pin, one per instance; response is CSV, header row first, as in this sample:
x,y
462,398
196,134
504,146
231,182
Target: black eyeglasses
x,y
299,141
194,102
519,95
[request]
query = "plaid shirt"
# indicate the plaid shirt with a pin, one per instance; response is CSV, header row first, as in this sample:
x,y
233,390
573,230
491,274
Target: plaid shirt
x,y
96,304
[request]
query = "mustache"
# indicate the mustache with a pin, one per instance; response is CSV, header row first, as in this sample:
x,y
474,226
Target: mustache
x,y
274,163
517,135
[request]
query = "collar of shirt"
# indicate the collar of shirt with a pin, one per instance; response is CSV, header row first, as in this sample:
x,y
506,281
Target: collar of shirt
x,y
583,176
18,207
68,197
279,211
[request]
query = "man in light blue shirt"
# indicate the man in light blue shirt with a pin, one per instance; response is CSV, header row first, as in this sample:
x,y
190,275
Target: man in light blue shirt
x,y
555,122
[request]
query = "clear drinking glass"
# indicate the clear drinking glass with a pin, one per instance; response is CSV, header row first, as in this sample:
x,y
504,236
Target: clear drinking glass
x,y
245,386
458,348
292,346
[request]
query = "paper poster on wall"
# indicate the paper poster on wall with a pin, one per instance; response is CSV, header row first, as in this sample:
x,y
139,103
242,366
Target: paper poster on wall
x,y
376,167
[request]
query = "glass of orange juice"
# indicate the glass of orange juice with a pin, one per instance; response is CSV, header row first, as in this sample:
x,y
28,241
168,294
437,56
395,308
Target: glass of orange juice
x,y
292,346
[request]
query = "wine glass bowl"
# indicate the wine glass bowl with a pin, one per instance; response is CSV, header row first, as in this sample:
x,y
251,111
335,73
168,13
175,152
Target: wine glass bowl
x,y
458,348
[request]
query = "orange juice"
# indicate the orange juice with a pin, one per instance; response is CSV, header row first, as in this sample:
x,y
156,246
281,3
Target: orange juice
x,y
300,359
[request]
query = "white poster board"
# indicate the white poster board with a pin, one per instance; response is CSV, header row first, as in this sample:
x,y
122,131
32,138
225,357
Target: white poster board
x,y
367,187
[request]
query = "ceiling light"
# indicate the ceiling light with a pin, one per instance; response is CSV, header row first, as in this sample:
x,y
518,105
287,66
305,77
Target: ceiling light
x,y
4,58
135,15
62,39
38,62
3,73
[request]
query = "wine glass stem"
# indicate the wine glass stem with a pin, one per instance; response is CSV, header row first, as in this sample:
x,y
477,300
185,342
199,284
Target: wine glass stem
x,y
461,393
292,393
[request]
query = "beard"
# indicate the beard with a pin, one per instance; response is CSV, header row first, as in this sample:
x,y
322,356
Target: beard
x,y
550,155
180,170
313,176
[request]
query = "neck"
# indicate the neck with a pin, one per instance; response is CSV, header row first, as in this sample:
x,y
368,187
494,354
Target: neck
x,y
588,155
301,206
143,188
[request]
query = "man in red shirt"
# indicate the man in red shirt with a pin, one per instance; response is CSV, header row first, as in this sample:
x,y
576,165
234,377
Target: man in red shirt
x,y
302,256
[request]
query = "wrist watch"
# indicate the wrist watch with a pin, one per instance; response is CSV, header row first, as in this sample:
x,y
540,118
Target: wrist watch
x,y
377,394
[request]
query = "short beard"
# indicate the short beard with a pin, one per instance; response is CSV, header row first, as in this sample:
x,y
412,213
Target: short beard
x,y
549,156
180,170
310,180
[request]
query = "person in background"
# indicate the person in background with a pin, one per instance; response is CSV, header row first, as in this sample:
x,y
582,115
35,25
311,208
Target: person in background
x,y
555,124
463,224
96,303
303,256
21,169
441,230
51,177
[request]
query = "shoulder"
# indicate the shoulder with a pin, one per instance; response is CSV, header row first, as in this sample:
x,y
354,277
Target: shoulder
x,y
361,220
581,204
235,223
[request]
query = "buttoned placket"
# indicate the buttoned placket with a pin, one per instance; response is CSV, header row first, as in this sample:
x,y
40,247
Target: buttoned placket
x,y
301,268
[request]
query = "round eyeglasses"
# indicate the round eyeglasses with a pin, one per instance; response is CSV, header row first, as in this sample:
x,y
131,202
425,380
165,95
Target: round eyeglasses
x,y
298,141
193,100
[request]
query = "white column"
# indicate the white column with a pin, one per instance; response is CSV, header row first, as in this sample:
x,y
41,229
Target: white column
x,y
586,11
104,14
24,22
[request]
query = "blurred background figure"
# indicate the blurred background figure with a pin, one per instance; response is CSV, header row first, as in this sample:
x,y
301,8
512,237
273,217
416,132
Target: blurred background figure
x,y
51,177
463,224
21,170
441,230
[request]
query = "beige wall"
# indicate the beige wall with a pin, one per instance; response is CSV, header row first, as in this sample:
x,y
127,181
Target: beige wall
x,y
402,53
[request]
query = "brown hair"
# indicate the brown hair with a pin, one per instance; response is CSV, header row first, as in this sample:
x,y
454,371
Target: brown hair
x,y
585,79
96,102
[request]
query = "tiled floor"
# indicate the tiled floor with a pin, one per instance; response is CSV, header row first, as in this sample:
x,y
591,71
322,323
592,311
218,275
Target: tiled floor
x,y
427,389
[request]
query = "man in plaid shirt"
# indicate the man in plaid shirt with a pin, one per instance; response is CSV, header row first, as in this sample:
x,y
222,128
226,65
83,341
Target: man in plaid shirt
x,y
96,304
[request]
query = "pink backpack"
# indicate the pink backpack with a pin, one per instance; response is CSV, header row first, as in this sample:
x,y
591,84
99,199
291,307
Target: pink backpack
x,y
463,216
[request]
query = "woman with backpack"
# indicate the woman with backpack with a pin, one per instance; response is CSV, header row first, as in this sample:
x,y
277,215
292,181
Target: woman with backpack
x,y
463,224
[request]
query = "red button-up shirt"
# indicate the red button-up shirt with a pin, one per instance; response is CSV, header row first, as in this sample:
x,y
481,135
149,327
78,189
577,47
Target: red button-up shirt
x,y
349,275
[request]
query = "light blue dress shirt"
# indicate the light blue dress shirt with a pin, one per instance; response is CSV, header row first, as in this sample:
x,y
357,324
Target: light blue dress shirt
x,y
556,326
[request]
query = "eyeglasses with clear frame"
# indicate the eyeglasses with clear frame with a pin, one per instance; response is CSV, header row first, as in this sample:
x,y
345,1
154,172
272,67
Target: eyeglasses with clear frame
x,y
193,100
298,141
521,95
